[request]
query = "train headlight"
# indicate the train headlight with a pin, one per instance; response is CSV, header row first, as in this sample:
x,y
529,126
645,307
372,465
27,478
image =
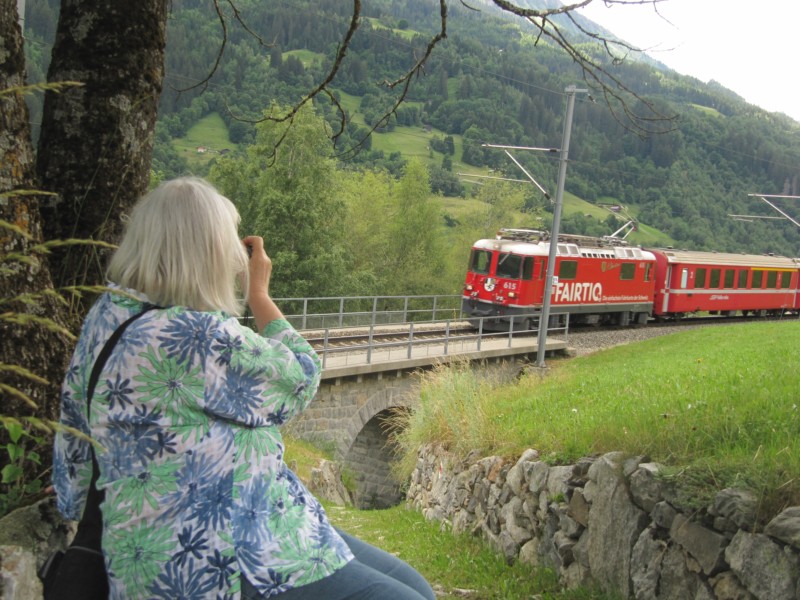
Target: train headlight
x,y
468,287
511,295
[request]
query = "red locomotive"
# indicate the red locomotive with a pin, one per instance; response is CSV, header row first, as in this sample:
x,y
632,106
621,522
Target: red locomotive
x,y
608,281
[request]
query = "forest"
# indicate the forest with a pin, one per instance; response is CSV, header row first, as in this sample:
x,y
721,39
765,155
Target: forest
x,y
392,212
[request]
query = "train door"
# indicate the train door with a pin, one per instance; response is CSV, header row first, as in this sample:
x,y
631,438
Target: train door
x,y
530,267
667,286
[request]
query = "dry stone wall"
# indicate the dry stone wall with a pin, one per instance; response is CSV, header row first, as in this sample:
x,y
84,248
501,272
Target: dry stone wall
x,y
610,521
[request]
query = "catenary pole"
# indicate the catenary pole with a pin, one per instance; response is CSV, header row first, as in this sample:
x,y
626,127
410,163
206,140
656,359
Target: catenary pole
x,y
21,13
551,262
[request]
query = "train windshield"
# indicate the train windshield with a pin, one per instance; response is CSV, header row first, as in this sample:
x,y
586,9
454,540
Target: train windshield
x,y
480,261
508,265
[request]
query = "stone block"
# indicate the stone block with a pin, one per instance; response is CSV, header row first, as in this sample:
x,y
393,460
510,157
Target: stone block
x,y
579,508
615,524
705,545
529,553
736,505
727,586
646,564
18,579
536,475
786,527
558,480
663,515
564,545
763,566
646,488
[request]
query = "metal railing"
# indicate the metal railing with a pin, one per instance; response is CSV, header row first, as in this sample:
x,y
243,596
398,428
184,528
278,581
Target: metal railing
x,y
362,311
450,343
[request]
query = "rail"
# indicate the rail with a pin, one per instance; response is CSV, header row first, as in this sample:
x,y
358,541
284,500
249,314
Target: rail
x,y
362,311
415,342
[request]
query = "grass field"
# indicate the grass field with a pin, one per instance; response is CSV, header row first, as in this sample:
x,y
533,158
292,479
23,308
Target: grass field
x,y
717,404
407,34
209,133
307,57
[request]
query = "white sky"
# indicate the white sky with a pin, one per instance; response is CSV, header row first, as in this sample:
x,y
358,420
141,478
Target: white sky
x,y
748,46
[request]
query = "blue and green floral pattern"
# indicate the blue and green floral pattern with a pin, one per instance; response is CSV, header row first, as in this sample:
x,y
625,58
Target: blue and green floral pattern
x,y
186,412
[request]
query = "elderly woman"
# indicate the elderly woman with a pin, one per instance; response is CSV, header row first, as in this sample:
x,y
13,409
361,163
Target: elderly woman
x,y
198,500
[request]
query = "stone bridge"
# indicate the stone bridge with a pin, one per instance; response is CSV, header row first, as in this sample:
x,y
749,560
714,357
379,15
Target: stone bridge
x,y
349,414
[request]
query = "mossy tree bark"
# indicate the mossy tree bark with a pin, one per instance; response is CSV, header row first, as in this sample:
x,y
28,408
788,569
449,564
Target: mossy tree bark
x,y
94,157
97,138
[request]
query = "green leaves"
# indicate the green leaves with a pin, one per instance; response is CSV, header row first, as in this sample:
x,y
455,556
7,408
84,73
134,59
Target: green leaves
x,y
19,456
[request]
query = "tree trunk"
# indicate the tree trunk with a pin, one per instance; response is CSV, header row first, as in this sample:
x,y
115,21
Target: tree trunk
x,y
96,140
39,349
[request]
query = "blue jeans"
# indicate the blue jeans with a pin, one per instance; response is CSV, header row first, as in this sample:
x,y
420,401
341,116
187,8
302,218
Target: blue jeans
x,y
372,575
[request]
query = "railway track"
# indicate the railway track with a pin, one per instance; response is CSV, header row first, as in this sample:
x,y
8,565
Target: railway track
x,y
389,335
580,336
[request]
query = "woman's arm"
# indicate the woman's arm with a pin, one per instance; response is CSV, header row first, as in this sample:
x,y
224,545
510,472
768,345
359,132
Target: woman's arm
x,y
260,270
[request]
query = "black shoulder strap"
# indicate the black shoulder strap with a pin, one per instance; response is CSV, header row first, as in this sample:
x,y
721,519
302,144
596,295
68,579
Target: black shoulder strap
x,y
106,352
90,528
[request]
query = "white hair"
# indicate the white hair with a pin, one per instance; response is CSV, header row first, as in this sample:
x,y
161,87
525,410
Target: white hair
x,y
181,248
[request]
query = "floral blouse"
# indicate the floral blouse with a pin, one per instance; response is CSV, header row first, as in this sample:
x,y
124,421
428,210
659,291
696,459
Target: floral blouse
x,y
187,413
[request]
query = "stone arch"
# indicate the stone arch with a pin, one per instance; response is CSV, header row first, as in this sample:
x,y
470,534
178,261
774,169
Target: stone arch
x,y
368,452
369,459
378,402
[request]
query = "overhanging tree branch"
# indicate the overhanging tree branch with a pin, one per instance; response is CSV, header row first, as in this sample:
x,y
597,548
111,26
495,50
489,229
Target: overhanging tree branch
x,y
624,102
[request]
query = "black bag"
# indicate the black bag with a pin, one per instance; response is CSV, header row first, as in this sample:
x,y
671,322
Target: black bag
x,y
79,573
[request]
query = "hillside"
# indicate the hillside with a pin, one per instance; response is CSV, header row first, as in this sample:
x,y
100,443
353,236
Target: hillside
x,y
490,81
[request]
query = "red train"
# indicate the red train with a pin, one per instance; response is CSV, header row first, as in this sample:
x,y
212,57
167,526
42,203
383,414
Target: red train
x,y
608,281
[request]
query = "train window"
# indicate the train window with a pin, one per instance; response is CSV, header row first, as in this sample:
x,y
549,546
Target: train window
x,y
568,269
648,271
786,279
684,278
730,276
772,279
527,268
700,278
758,277
713,281
543,268
742,280
627,271
480,261
508,265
